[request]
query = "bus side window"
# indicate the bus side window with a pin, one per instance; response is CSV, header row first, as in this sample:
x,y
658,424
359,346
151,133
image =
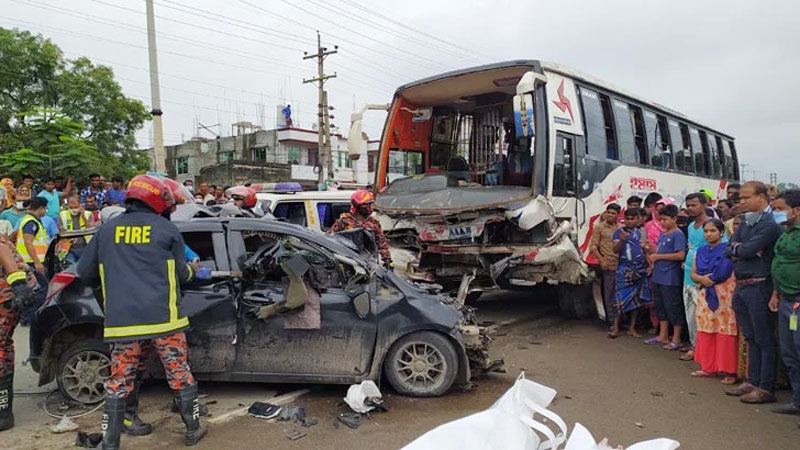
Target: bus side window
x,y
714,157
728,170
677,149
594,124
638,134
687,148
564,167
699,152
627,150
662,144
608,124
734,161
707,159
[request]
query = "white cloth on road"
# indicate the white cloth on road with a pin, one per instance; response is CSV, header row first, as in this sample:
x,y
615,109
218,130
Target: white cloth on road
x,y
357,393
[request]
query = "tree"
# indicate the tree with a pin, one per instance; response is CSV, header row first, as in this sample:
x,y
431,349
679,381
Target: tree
x,y
50,143
787,186
36,78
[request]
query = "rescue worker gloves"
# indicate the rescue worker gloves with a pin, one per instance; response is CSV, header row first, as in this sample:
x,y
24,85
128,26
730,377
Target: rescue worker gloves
x,y
203,273
23,294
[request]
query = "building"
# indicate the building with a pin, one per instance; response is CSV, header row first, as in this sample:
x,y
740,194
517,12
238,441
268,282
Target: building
x,y
282,154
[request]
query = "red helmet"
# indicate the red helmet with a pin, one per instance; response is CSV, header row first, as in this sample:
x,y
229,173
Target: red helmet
x,y
362,197
152,191
243,193
179,191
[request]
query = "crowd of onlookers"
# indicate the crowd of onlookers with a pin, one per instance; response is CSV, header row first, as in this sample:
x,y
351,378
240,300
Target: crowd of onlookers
x,y
709,276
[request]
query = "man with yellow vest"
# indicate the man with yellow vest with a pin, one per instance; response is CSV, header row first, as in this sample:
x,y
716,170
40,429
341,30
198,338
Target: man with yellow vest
x,y
75,218
32,243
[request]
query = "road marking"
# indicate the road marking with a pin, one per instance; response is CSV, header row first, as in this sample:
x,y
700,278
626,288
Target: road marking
x,y
279,401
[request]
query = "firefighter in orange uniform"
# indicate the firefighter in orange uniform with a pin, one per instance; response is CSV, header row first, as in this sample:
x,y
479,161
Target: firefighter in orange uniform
x,y
139,258
360,216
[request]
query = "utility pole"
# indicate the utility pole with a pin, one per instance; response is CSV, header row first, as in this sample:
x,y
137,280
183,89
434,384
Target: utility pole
x,y
323,153
773,178
159,157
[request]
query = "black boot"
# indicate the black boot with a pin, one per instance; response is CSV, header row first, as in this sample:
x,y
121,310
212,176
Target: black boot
x,y
132,425
6,401
203,408
189,409
113,415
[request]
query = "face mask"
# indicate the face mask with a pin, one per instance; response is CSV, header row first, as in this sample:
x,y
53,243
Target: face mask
x,y
74,212
20,205
780,216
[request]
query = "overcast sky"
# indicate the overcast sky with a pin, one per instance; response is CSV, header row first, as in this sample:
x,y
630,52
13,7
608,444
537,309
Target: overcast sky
x,y
732,66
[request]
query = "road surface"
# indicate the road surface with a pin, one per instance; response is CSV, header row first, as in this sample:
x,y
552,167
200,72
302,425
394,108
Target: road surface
x,y
607,385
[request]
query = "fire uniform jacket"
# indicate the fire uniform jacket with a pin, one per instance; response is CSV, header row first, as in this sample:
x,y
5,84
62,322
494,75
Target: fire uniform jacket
x,y
140,261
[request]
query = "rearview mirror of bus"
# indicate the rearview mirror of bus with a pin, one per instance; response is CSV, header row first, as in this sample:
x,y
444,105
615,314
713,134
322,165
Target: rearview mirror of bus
x,y
354,137
523,114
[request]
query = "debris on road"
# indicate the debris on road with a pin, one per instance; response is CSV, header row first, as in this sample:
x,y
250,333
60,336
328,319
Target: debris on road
x,y
657,394
264,410
639,424
294,434
88,440
364,397
352,420
64,425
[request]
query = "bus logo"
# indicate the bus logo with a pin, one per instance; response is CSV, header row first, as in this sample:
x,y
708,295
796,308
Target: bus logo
x,y
563,102
643,183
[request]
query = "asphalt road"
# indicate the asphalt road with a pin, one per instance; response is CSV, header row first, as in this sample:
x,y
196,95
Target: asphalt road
x,y
609,386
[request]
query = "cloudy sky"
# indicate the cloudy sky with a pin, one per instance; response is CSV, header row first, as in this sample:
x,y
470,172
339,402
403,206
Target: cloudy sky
x,y
732,65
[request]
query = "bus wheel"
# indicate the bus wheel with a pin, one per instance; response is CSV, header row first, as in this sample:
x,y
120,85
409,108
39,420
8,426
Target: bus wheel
x,y
576,301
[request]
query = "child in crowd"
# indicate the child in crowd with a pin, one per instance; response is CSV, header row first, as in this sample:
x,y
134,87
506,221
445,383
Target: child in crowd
x,y
631,281
602,248
668,279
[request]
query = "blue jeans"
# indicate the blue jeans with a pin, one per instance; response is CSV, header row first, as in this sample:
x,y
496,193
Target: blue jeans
x,y
751,305
790,346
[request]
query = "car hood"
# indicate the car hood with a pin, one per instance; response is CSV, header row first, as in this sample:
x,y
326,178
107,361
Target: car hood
x,y
445,194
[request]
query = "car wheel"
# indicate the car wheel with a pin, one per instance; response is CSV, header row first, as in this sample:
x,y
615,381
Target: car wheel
x,y
576,301
82,371
422,364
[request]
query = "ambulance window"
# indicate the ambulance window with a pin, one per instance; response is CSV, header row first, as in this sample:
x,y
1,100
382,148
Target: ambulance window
x,y
329,212
292,212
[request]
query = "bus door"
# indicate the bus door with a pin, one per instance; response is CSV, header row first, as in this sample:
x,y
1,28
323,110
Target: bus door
x,y
565,180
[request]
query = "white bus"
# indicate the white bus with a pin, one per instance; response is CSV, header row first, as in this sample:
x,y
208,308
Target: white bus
x,y
492,177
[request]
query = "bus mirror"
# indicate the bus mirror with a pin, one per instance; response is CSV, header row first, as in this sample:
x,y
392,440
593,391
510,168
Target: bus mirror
x,y
354,136
523,114
527,83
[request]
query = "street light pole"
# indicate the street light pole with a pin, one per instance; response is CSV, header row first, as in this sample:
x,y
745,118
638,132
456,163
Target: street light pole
x,y
159,157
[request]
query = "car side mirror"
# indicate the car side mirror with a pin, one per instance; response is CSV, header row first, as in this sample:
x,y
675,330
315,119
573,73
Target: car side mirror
x,y
362,305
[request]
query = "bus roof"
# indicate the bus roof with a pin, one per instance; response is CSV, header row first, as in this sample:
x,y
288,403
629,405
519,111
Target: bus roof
x,y
540,66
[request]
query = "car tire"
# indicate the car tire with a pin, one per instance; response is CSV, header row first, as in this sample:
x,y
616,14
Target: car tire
x,y
82,371
422,364
575,301
473,297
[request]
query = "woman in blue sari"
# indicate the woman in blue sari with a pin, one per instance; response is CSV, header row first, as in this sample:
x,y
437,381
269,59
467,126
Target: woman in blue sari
x,y
633,290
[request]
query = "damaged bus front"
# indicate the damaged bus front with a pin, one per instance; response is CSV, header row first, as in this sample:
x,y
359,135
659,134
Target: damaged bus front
x,y
462,181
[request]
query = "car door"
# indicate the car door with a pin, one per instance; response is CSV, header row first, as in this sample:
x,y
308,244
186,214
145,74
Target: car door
x,y
339,344
209,304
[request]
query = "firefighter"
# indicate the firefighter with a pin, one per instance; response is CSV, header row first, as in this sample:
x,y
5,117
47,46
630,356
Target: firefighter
x,y
244,198
360,216
16,295
139,259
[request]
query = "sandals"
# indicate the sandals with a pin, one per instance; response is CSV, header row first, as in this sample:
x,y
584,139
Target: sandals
x,y
700,373
654,341
728,381
613,335
671,346
688,356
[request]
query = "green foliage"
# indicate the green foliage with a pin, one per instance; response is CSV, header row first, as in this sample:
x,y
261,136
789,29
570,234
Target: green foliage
x,y
787,186
61,116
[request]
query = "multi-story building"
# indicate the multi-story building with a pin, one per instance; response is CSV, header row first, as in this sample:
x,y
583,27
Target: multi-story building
x,y
282,154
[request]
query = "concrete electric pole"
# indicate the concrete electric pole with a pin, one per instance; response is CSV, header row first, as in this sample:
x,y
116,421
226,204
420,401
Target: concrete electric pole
x,y
159,158
324,160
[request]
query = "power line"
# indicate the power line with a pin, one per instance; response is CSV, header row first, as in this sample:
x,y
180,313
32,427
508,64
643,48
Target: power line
x,y
182,55
410,28
339,38
365,36
370,23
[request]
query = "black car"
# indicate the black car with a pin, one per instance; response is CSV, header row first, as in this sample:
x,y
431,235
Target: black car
x,y
287,305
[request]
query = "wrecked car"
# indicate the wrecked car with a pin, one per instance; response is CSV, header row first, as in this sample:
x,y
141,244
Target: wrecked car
x,y
284,305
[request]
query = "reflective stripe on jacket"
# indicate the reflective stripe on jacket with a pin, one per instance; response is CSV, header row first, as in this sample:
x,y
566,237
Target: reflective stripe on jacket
x,y
39,240
139,259
69,224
